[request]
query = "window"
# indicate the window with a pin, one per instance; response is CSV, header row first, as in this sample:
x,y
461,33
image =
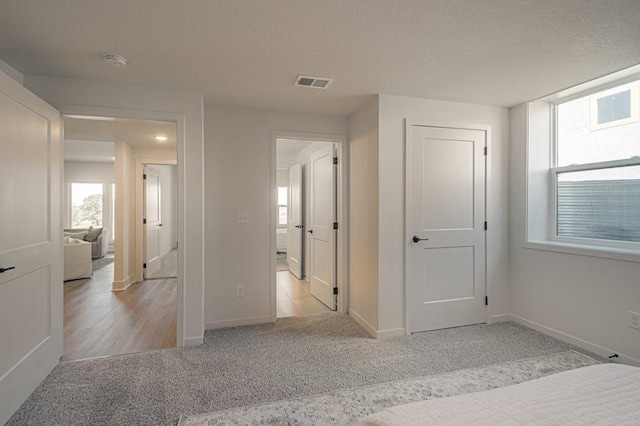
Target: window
x,y
614,107
91,204
86,205
282,205
595,172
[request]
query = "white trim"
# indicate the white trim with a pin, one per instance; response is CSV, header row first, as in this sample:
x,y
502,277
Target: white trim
x,y
584,250
122,285
343,216
408,203
500,318
179,119
392,332
213,325
364,324
193,341
576,341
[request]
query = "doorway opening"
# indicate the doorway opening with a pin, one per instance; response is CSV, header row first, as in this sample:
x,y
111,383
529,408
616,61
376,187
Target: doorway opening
x,y
108,308
306,227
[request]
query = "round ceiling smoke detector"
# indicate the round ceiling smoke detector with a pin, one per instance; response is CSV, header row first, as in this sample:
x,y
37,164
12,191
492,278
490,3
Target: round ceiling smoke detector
x,y
115,60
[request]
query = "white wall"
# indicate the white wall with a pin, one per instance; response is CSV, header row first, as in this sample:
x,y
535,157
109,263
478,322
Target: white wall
x,y
391,245
85,172
363,216
238,179
88,172
581,299
124,247
80,96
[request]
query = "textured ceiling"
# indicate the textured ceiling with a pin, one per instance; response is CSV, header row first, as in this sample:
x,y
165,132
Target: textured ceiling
x,y
248,52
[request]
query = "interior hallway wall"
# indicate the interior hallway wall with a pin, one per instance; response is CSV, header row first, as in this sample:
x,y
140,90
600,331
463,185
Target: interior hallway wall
x,y
238,179
67,94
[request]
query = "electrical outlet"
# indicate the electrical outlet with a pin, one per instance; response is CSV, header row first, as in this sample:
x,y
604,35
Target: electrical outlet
x,y
634,320
240,291
243,217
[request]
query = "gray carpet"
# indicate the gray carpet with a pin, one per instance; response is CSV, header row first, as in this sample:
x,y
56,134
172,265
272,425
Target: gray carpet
x,y
347,407
247,365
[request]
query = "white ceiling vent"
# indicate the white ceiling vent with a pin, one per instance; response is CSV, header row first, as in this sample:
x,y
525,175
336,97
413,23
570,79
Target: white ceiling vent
x,y
313,82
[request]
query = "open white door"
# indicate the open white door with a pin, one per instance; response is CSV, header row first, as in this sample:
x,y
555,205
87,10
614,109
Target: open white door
x,y
151,222
446,227
294,222
30,244
321,231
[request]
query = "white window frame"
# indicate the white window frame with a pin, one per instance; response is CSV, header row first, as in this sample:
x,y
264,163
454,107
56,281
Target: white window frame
x,y
541,173
553,192
633,88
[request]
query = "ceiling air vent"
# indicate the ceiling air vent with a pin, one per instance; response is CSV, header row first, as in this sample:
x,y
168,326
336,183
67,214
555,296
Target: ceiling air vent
x,y
313,82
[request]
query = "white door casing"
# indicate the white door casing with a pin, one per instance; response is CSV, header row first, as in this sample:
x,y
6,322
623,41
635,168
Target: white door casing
x,y
295,226
153,223
31,297
446,173
321,232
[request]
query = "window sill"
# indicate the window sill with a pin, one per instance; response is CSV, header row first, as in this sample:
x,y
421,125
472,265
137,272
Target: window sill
x,y
625,255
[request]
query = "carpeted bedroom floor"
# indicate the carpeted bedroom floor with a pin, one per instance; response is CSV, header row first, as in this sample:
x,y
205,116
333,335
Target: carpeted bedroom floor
x,y
247,365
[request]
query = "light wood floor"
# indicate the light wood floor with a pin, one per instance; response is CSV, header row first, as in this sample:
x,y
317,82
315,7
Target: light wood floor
x,y
99,322
294,297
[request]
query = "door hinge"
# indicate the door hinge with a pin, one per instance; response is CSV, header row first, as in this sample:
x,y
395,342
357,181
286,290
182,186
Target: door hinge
x,y
335,225
335,290
335,160
486,300
144,266
144,221
485,225
485,150
144,176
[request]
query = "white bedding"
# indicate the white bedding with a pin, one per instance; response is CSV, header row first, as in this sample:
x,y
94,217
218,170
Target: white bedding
x,y
599,394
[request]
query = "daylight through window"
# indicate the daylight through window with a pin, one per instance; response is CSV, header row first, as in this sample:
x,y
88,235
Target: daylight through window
x,y
596,178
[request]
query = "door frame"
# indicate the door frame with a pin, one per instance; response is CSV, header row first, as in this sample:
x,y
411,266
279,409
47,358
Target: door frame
x,y
409,123
179,120
343,216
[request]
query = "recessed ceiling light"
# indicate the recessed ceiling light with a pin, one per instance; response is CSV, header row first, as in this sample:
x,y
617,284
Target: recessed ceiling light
x,y
161,138
117,61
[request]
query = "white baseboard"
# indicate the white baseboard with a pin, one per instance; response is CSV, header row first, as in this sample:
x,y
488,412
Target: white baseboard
x,y
576,341
393,332
122,285
364,324
500,318
213,325
193,341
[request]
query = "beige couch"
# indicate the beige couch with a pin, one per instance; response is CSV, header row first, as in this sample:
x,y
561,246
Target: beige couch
x,y
99,247
77,259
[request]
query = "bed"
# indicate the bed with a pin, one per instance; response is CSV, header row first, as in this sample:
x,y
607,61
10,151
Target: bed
x,y
599,394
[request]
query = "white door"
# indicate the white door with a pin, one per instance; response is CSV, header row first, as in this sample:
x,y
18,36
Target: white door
x,y
152,224
31,300
322,204
446,221
294,221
